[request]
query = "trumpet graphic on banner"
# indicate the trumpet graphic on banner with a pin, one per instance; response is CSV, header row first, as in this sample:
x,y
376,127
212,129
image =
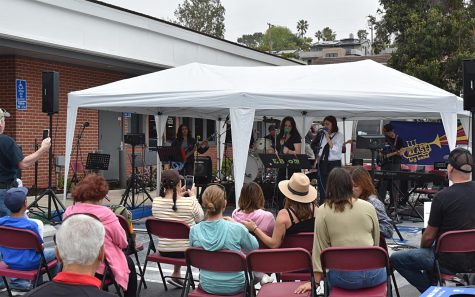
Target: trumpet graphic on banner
x,y
419,151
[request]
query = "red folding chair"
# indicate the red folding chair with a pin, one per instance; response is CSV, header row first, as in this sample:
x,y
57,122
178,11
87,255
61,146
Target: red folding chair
x,y
132,250
22,239
358,258
164,229
383,245
279,261
216,261
302,240
461,241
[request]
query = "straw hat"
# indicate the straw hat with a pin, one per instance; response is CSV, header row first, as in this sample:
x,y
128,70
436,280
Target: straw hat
x,y
298,188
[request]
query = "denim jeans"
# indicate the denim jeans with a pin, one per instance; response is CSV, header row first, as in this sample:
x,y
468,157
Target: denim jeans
x,y
4,211
23,284
353,280
416,266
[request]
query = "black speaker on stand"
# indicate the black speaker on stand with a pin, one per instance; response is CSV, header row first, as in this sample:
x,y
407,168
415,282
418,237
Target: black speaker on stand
x,y
50,104
469,95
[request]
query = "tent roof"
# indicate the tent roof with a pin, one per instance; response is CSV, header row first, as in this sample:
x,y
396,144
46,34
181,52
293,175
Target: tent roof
x,y
356,90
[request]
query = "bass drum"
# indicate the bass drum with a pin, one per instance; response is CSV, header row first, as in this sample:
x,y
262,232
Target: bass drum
x,y
254,169
262,145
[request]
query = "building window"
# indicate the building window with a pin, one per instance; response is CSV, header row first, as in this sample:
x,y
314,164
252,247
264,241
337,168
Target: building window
x,y
331,55
136,125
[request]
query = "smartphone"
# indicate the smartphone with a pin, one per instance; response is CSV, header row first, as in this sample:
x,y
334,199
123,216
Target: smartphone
x,y
45,133
189,180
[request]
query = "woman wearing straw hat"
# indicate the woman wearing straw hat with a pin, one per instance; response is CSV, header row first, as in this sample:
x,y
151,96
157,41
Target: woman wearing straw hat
x,y
298,214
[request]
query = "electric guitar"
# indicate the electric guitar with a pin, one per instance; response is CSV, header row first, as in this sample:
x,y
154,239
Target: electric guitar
x,y
398,152
186,153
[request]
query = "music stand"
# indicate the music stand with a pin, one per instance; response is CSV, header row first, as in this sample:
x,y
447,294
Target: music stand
x,y
166,153
373,143
96,162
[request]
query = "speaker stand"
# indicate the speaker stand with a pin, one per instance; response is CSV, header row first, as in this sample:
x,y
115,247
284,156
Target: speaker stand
x,y
135,186
47,211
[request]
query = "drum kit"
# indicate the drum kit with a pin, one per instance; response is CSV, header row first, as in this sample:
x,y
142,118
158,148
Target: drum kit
x,y
255,170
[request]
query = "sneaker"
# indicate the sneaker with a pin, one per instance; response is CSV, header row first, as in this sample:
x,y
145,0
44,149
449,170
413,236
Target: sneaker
x,y
267,279
18,293
3,289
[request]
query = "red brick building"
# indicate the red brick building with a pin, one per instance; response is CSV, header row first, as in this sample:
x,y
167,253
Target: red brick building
x,y
91,43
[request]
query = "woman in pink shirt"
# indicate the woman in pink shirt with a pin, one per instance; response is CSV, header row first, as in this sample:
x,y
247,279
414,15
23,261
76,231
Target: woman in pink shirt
x,y
88,197
251,204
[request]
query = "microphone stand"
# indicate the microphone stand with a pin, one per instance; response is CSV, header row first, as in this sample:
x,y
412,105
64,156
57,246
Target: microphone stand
x,y
75,178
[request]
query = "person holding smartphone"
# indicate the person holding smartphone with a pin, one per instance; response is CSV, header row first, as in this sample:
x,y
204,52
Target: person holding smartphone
x,y
174,205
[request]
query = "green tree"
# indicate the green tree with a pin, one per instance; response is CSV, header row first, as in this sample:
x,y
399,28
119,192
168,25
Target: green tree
x,y
319,35
251,40
302,27
362,34
432,38
278,38
328,34
205,16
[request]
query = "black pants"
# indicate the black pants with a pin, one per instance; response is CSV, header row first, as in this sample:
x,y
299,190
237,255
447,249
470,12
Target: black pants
x,y
322,176
386,184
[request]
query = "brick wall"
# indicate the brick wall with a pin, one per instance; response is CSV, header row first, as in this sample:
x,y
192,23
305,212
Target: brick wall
x,y
26,126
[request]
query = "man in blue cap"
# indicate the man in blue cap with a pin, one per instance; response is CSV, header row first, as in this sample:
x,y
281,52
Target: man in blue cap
x,y
15,201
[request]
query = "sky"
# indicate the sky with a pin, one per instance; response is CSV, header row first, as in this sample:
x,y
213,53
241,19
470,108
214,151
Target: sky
x,y
250,16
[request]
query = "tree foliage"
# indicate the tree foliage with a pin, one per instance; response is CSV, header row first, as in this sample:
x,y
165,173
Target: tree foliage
x,y
328,34
432,38
319,35
302,27
278,38
362,34
205,16
251,40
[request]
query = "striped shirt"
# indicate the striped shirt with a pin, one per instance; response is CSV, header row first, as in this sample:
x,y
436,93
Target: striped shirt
x,y
188,211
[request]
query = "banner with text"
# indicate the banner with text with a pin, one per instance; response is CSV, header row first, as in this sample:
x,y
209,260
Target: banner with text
x,y
425,143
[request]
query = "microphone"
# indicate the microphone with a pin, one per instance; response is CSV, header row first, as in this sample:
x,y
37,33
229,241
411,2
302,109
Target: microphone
x,y
86,124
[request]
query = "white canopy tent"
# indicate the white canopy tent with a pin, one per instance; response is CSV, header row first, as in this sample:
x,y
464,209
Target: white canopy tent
x,y
357,90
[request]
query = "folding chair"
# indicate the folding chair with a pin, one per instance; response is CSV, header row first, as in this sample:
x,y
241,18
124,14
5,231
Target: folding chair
x,y
216,261
461,241
108,279
22,239
383,245
358,258
279,261
164,229
132,250
302,240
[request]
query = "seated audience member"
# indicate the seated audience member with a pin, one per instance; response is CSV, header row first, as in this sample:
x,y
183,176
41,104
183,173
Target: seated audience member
x,y
80,248
173,205
298,214
344,221
452,209
15,201
216,234
251,204
88,196
363,188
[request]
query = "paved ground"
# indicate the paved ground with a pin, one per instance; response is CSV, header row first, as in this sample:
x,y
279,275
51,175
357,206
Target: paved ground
x,y
410,232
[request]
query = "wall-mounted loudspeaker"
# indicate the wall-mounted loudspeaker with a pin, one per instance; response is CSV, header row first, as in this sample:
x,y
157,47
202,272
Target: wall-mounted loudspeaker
x,y
50,92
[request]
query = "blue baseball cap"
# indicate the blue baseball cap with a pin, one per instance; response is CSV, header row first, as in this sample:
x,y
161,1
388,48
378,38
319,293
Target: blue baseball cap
x,y
15,198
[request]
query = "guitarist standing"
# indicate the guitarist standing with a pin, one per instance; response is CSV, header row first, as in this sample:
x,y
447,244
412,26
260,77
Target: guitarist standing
x,y
391,161
185,146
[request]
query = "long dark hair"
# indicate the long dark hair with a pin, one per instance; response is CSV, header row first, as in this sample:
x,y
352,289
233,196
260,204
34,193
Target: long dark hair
x,y
169,184
179,134
332,120
339,190
294,130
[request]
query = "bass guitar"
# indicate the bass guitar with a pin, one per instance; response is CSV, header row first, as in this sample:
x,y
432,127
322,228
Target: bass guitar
x,y
186,153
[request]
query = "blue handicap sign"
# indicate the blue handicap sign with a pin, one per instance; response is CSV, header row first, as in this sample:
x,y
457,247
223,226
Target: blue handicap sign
x,y
20,94
127,114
